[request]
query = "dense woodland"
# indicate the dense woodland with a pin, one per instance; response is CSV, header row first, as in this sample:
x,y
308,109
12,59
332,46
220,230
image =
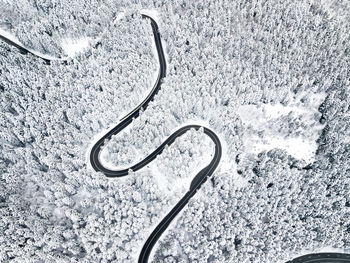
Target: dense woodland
x,y
222,55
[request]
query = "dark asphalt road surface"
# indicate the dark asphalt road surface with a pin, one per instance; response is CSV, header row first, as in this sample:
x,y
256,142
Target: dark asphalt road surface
x,y
322,258
23,50
199,179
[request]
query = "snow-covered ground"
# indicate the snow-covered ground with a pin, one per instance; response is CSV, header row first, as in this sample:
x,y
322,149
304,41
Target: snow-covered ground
x,y
293,128
270,78
73,46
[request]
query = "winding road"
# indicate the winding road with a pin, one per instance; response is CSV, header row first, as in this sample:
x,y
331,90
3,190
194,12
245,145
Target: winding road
x,y
322,258
196,183
25,50
198,180
21,49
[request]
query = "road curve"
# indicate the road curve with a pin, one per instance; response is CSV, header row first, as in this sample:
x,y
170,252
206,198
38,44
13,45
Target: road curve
x,y
322,258
199,179
25,50
196,183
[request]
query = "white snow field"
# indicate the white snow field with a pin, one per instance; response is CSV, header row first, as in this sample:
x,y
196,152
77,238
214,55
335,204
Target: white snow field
x,y
271,78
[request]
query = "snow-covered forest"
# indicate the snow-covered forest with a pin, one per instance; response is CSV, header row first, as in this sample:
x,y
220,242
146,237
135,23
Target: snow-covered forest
x,y
271,78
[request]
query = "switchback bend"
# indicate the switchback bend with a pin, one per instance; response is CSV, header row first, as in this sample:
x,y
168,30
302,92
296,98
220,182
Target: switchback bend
x,y
199,179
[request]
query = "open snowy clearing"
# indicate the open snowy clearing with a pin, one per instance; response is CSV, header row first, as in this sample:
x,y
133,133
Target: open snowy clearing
x,y
293,128
73,46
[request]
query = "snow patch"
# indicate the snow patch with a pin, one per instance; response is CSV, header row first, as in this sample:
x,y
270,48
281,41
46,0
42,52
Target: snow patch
x,y
293,128
119,17
299,148
74,46
152,13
